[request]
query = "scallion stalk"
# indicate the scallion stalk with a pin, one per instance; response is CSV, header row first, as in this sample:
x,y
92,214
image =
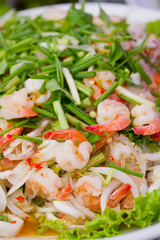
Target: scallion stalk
x,y
72,120
134,97
60,114
45,113
18,124
106,94
71,85
109,177
143,74
82,115
125,170
32,139
14,82
86,102
84,89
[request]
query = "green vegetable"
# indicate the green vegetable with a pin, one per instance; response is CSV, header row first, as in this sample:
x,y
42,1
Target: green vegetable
x,y
18,124
153,27
125,170
60,114
4,218
45,113
143,74
106,94
32,139
3,66
146,211
105,18
56,225
40,202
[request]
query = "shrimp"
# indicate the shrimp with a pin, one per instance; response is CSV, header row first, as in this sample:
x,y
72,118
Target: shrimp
x,y
66,134
17,105
44,183
112,116
88,190
101,82
118,195
7,137
127,201
73,153
6,164
147,121
70,157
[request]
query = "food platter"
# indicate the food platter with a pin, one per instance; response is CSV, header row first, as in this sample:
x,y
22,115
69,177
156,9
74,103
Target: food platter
x,y
131,13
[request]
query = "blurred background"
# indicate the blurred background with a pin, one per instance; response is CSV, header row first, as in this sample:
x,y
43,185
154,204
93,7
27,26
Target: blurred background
x,y
5,5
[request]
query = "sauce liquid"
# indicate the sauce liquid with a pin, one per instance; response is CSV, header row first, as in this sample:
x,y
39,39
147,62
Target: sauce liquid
x,y
29,229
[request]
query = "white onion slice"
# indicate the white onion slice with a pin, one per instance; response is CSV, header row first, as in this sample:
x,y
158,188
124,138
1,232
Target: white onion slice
x,y
46,209
68,208
3,200
123,177
152,156
15,210
26,152
18,173
82,209
50,216
20,183
5,174
107,190
11,229
39,130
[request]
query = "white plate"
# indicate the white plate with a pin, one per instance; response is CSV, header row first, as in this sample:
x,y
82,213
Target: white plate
x,y
140,14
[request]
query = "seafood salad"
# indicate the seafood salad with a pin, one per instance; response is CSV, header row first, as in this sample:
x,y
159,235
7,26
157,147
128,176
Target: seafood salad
x,y
79,124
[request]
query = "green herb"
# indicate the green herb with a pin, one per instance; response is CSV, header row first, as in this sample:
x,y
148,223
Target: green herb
x,y
40,202
109,177
3,66
4,44
84,89
153,27
145,212
143,74
45,113
93,138
125,170
32,139
105,18
56,225
106,94
72,120
60,114
4,218
82,115
18,124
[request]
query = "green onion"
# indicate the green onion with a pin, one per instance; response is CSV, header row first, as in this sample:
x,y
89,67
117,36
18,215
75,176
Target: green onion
x,y
32,139
82,115
134,97
129,99
15,81
59,72
143,74
45,113
106,94
125,170
72,120
109,177
15,73
18,124
60,114
43,87
4,44
16,47
95,160
71,85
93,138
86,63
86,102
84,74
10,91
23,77
82,88
105,18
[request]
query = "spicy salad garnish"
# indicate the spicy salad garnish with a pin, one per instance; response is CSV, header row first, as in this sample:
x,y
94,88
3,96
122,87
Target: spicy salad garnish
x,y
79,124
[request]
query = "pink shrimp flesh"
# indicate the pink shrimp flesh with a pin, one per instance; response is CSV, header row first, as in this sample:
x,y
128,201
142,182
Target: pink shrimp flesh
x,y
151,129
66,134
118,195
112,116
7,137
